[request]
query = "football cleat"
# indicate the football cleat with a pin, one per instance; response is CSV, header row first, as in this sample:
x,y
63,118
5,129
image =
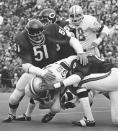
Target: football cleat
x,y
84,122
10,118
48,117
23,117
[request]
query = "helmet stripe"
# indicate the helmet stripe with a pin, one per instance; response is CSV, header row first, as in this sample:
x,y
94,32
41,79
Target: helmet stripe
x,y
75,10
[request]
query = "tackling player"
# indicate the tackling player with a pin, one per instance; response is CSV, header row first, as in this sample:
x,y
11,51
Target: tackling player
x,y
48,16
36,45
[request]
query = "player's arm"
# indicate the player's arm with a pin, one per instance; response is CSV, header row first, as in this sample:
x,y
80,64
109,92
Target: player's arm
x,y
75,44
81,55
99,66
80,72
55,40
29,68
102,31
46,74
22,52
71,80
102,34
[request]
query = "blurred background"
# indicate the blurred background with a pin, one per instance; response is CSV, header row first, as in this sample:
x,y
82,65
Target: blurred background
x,y
14,15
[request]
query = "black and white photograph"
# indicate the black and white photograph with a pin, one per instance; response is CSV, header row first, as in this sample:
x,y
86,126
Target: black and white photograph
x,y
58,65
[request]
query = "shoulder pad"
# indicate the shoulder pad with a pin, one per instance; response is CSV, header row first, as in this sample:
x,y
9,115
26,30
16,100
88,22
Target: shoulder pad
x,y
48,29
22,39
62,23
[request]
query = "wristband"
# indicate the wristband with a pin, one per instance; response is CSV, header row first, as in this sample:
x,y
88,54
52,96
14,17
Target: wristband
x,y
58,85
62,84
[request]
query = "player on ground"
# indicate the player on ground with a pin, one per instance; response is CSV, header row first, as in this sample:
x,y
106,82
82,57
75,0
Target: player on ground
x,y
68,71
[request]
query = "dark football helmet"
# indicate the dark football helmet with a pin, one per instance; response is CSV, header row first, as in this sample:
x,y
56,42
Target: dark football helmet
x,y
35,30
47,16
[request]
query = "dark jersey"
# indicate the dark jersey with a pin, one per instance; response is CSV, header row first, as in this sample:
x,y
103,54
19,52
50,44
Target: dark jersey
x,y
41,56
63,49
95,65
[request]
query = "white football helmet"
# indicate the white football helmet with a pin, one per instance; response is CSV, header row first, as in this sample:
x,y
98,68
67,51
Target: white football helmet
x,y
75,15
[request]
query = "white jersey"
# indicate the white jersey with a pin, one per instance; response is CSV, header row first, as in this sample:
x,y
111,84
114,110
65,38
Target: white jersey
x,y
59,70
87,30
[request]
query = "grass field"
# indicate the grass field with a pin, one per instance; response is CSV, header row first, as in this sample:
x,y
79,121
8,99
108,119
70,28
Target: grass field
x,y
62,121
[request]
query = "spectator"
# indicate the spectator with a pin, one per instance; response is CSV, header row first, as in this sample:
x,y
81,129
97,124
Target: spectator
x,y
16,14
5,78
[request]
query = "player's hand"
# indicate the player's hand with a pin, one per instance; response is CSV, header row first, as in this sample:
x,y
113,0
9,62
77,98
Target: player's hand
x,y
82,57
26,67
49,76
68,33
93,44
96,42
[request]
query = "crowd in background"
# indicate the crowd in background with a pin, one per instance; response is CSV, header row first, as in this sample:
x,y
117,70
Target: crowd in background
x,y
16,13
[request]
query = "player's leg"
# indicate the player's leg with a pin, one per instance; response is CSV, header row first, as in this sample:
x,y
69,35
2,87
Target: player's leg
x,y
17,96
14,100
88,120
68,100
55,108
103,84
114,106
35,83
27,115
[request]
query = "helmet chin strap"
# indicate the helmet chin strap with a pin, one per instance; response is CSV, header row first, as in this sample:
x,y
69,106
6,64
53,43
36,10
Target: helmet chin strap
x,y
76,24
38,43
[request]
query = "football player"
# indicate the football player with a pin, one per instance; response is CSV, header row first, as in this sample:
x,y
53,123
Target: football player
x,y
48,17
104,81
68,72
87,29
37,45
